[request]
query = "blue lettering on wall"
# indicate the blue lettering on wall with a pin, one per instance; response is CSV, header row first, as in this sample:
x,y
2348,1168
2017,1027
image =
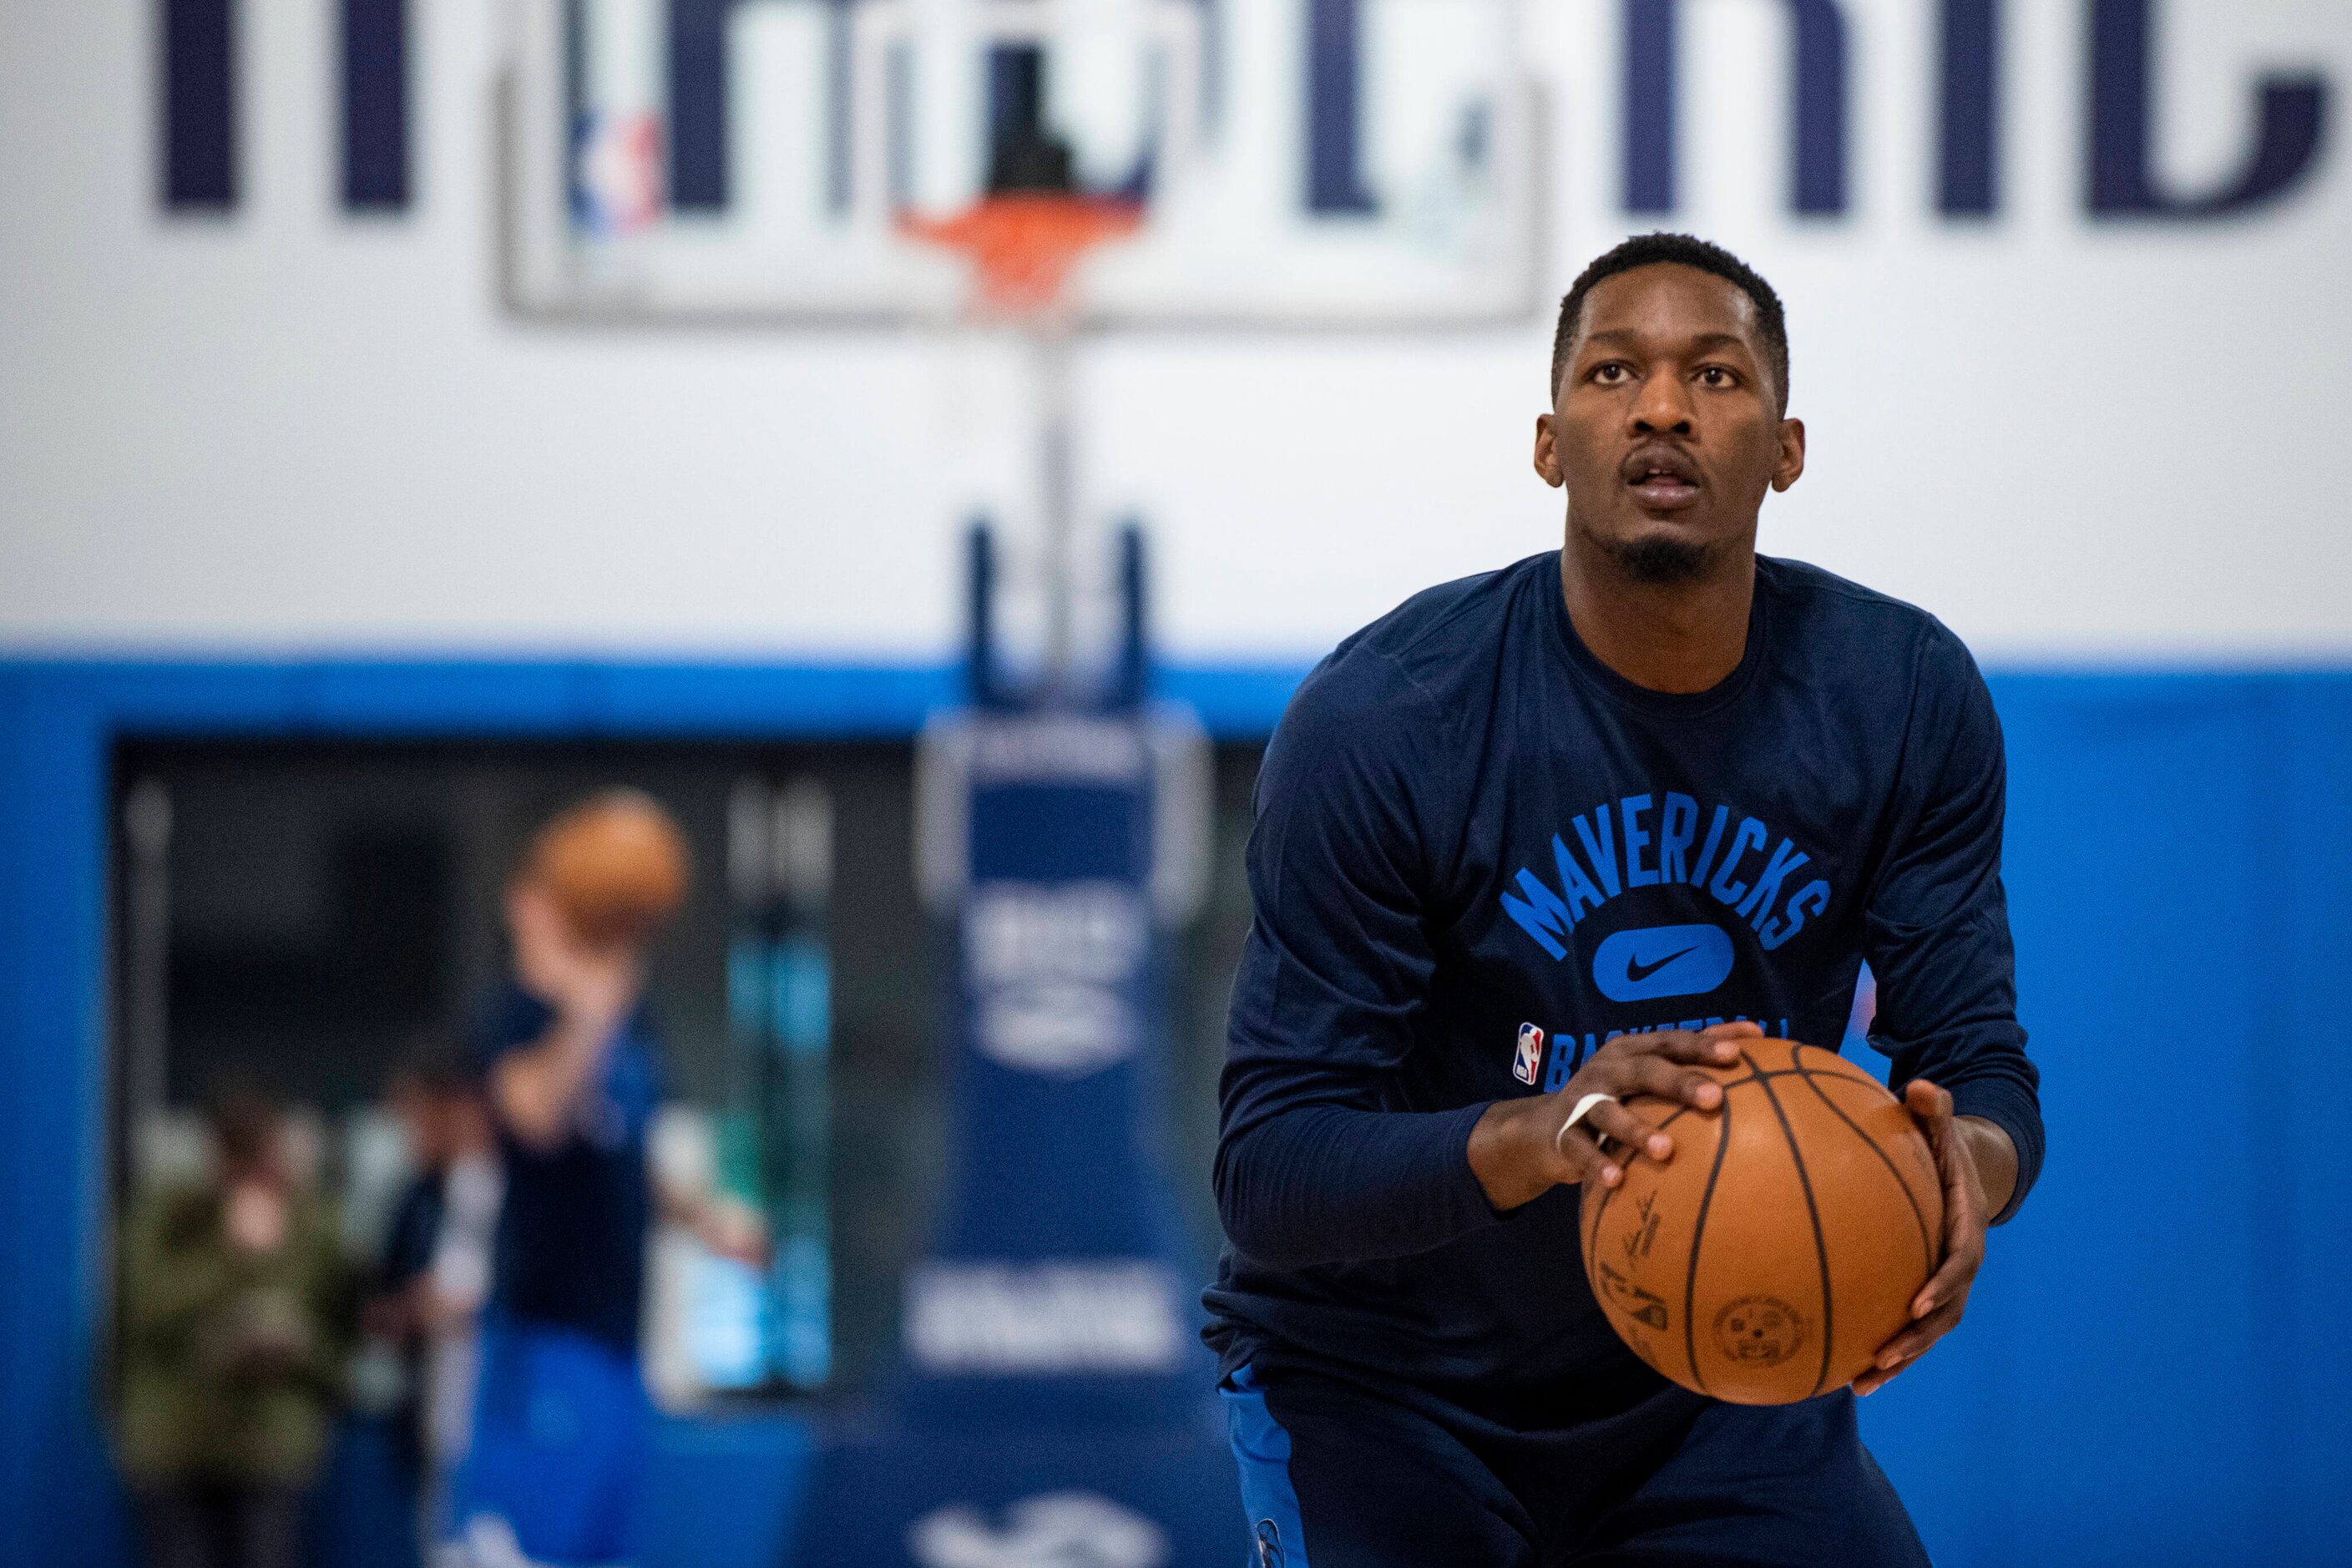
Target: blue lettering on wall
x,y
2290,111
1968,184
1334,177
1817,153
376,105
1817,69
2291,120
1651,44
199,67
2290,115
696,60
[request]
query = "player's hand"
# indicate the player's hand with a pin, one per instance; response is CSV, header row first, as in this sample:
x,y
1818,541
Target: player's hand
x,y
593,988
1935,1311
731,1230
1522,1147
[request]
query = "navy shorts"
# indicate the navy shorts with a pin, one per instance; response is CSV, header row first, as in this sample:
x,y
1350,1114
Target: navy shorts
x,y
1339,1473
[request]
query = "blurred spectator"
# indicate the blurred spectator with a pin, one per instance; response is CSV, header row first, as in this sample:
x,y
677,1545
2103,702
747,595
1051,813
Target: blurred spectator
x,y
238,1320
435,1275
556,1463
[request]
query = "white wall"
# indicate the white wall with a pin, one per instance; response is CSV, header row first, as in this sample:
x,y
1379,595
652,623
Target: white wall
x,y
293,430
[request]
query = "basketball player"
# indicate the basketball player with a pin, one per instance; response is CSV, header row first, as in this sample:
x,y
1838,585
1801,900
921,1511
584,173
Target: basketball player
x,y
554,1473
1578,827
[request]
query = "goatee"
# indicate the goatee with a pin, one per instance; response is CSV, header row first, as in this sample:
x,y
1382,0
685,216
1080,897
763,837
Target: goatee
x,y
1661,559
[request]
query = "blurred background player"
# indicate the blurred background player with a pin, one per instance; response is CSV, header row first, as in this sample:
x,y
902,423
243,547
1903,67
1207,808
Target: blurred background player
x,y
555,1464
239,1318
434,1274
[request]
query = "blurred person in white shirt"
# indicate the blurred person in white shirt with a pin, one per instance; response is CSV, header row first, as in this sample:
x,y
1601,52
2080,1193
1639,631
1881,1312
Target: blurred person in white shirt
x,y
435,1275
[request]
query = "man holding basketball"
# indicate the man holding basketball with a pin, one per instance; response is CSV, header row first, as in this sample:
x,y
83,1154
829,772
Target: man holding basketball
x,y
1558,835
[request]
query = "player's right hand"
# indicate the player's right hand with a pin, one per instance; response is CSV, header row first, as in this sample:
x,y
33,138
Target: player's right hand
x,y
1522,1148
591,987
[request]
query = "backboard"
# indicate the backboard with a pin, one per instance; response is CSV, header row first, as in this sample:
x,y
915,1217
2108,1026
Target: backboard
x,y
1302,163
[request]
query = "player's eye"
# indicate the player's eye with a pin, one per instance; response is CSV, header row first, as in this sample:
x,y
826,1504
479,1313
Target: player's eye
x,y
1613,373
1717,376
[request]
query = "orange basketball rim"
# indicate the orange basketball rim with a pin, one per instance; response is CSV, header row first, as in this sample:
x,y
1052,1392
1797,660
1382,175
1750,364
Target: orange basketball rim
x,y
1024,245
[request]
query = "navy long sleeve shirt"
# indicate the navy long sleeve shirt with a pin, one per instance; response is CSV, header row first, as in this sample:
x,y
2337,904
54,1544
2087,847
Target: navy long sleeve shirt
x,y
1480,854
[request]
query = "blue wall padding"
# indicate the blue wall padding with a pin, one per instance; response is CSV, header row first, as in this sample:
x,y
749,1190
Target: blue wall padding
x,y
726,1493
363,1512
2151,1373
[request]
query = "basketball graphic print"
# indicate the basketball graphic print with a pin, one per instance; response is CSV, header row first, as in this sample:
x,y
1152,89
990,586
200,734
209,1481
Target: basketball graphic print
x,y
1760,1330
1780,1247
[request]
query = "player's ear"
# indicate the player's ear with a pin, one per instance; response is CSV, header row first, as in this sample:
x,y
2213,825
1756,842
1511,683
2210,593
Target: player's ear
x,y
1792,466
1548,452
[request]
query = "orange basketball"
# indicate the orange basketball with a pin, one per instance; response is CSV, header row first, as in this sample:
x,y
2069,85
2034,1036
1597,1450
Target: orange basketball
x,y
1782,1246
615,864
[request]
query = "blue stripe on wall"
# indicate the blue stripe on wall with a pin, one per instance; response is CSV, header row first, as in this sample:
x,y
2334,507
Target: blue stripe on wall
x,y
2150,1373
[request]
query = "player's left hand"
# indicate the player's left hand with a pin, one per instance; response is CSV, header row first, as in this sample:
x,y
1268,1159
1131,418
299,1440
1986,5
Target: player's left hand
x,y
736,1232
1935,1311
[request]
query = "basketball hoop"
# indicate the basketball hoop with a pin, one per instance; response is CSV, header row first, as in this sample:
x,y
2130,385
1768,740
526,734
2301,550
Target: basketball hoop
x,y
1024,245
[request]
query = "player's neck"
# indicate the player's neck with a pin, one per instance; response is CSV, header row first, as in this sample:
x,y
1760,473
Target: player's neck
x,y
1664,636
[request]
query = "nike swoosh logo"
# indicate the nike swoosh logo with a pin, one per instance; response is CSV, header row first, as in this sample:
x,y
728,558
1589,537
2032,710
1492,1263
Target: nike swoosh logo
x,y
1635,973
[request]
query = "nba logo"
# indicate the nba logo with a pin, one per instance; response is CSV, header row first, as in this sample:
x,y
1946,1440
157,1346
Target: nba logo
x,y
1529,1064
617,174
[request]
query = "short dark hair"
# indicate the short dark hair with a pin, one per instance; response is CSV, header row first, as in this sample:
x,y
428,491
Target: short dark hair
x,y
1678,250
245,1116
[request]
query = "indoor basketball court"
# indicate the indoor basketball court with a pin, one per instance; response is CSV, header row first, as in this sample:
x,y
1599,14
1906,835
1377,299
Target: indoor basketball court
x,y
774,790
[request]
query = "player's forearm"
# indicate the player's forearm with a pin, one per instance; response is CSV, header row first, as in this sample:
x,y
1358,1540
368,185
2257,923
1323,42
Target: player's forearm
x,y
539,1088
1991,1080
1996,1161
1326,1184
1506,1153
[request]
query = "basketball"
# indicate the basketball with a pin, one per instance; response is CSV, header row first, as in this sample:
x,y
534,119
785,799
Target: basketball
x,y
1781,1246
615,864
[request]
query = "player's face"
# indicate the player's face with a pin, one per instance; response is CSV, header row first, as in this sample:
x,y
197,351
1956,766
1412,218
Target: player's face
x,y
1665,429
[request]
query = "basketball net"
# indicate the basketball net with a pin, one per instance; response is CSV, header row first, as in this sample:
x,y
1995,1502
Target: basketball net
x,y
1024,245
1025,248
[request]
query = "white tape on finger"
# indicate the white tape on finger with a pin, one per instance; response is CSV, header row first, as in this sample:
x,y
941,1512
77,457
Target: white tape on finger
x,y
1583,1109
